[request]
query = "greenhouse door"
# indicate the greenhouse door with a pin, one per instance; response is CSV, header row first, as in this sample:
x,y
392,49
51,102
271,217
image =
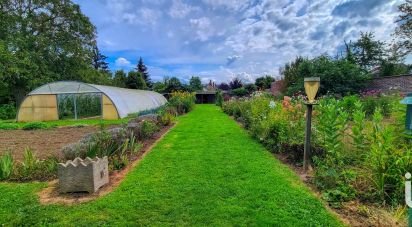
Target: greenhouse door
x,y
79,106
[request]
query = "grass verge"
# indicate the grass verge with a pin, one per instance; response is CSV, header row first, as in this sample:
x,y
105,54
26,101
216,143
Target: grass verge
x,y
206,171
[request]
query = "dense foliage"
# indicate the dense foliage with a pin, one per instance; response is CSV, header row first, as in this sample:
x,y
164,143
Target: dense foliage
x,y
264,82
183,102
357,151
42,41
338,76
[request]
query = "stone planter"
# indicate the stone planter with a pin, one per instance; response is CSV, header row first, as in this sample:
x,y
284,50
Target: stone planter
x,y
86,175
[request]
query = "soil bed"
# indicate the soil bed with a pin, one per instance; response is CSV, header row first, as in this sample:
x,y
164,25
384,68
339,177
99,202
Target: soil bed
x,y
45,142
50,195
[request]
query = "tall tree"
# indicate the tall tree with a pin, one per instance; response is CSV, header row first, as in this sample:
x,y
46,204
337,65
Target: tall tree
x,y
120,78
235,83
195,83
264,82
404,30
224,86
99,60
173,84
367,51
43,41
141,68
135,81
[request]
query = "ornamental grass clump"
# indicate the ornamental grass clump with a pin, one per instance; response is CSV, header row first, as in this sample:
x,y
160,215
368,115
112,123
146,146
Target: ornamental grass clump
x,y
6,166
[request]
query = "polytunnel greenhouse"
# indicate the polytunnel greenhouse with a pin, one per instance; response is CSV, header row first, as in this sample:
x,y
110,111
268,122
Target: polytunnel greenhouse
x,y
75,100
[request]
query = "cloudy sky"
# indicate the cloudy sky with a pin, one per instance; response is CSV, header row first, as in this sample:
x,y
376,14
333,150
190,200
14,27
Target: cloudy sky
x,y
221,39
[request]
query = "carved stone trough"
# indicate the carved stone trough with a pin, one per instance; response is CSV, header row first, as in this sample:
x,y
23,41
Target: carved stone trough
x,y
86,175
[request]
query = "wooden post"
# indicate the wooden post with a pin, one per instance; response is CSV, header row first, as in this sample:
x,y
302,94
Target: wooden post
x,y
308,131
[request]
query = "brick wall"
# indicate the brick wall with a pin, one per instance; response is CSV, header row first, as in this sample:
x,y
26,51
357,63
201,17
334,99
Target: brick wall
x,y
401,83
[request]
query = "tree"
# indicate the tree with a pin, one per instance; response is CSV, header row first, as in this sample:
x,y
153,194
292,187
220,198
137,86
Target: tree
x,y
235,83
141,68
173,84
135,81
264,82
250,88
367,52
99,60
120,78
404,30
224,86
195,83
159,87
337,76
43,41
290,72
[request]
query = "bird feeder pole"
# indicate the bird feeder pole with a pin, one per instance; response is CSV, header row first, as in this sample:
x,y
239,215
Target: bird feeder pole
x,y
312,85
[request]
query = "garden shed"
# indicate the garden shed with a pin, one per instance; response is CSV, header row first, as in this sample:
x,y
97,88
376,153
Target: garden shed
x,y
70,99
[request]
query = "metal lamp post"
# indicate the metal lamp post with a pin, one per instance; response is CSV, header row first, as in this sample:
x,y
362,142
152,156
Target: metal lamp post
x,y
312,85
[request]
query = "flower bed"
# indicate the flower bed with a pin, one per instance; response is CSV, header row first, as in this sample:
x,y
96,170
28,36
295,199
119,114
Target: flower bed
x,y
360,151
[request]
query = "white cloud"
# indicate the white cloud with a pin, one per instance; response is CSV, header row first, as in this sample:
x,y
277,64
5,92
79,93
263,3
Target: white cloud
x,y
122,63
180,9
220,39
229,4
203,26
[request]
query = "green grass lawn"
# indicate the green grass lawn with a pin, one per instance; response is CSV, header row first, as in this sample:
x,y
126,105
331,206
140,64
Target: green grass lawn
x,y
206,171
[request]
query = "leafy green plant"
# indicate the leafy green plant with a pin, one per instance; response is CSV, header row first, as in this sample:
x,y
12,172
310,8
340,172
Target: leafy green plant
x,y
382,158
29,161
8,111
166,118
184,102
35,126
6,166
219,98
358,135
8,126
147,130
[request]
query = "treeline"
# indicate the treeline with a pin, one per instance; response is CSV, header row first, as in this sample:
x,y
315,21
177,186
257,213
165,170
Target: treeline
x,y
349,71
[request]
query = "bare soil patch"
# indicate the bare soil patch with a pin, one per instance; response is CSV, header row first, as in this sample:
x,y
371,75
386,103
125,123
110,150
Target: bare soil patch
x,y
50,195
44,143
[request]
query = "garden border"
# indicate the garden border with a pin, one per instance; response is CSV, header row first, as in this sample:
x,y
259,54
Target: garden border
x,y
50,195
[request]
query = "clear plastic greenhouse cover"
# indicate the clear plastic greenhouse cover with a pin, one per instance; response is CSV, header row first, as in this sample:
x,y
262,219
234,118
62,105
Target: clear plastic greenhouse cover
x,y
127,101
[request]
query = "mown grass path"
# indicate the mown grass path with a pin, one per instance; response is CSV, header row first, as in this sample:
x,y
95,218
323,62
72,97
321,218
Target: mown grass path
x,y
206,171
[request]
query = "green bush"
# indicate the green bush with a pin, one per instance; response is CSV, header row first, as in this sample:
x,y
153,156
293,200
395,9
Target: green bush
x,y
147,130
35,126
6,166
166,118
184,102
219,98
372,103
31,168
240,92
8,111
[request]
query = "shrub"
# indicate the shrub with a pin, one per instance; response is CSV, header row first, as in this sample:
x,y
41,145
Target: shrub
x,y
372,103
31,168
34,126
184,102
6,166
8,111
240,92
219,98
147,130
166,118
